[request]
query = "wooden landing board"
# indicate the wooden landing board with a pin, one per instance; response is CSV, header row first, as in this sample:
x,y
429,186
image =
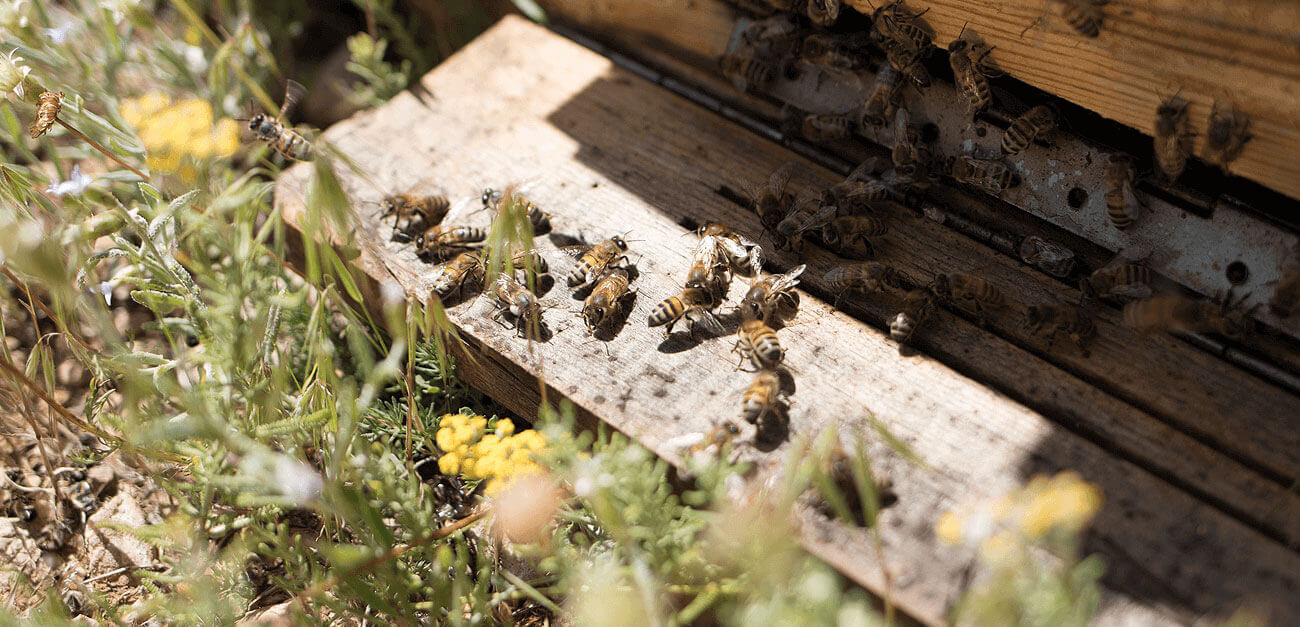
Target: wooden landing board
x,y
521,103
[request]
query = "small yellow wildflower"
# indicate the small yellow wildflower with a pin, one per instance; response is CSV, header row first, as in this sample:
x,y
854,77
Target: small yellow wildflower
x,y
175,135
949,528
498,457
999,548
1065,501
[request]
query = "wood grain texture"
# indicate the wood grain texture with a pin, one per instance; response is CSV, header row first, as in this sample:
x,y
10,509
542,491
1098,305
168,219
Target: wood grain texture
x,y
614,152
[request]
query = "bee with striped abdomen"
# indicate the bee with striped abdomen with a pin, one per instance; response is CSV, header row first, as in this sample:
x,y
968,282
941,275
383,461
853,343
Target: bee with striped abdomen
x,y
772,297
709,271
766,406
1033,123
910,155
748,69
1084,16
853,234
971,70
463,270
1173,140
1175,312
895,24
1121,281
743,255
47,111
693,305
1050,257
605,299
513,298
825,127
909,63
970,293
497,201
1227,135
596,260
885,97
1122,204
758,342
1056,321
828,51
990,176
823,12
283,140
868,278
413,213
441,240
918,304
531,263
808,214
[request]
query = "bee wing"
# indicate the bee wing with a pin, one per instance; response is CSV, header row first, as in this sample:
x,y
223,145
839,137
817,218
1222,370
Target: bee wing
x,y
789,279
780,178
901,119
293,93
705,319
576,250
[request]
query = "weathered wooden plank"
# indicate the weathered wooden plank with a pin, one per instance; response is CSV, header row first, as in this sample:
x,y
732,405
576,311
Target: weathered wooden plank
x,y
503,114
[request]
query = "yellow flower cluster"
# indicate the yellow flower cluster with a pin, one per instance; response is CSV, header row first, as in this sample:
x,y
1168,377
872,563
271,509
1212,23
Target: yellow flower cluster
x,y
498,457
176,135
1064,503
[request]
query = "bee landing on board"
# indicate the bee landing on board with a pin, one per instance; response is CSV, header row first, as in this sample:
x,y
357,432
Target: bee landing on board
x,y
1121,281
1174,312
809,213
1122,204
772,298
693,305
990,176
866,278
47,111
464,270
709,270
971,70
766,405
851,236
918,304
1227,135
743,255
597,259
513,298
1173,137
1025,129
758,342
440,241
413,213
283,140
1056,321
773,202
606,299
971,294
500,201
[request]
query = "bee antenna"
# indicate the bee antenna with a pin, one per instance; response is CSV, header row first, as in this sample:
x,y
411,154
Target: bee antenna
x,y
963,29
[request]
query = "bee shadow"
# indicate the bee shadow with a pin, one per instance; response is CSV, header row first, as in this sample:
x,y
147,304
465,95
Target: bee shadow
x,y
560,240
772,430
681,341
615,323
543,285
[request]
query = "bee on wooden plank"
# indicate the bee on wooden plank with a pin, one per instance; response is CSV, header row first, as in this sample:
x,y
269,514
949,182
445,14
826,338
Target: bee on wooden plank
x,y
441,240
758,343
840,470
531,263
47,111
823,12
743,255
1175,312
908,62
279,137
886,97
606,298
1029,126
772,297
895,23
831,51
808,214
971,70
748,69
1122,204
1084,16
596,260
867,278
717,438
514,298
461,272
413,213
910,155
1174,138
497,201
1227,135
918,304
709,270
766,405
1056,321
845,234
1050,257
825,127
693,305
986,174
970,293
1120,281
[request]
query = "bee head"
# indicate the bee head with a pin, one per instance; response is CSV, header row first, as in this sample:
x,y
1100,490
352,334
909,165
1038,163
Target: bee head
x,y
388,206
489,196
256,122
619,241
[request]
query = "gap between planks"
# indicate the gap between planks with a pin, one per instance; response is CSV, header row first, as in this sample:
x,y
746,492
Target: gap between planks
x,y
502,116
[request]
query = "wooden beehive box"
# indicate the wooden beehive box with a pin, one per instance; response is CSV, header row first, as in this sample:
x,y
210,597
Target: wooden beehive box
x,y
625,125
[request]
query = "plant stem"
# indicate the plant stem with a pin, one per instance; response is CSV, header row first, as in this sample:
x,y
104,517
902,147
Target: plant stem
x,y
96,145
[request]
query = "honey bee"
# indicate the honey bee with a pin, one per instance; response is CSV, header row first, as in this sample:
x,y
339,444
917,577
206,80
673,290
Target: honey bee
x,y
462,270
842,474
867,278
413,213
970,293
531,263
1055,321
918,304
718,437
1173,137
808,214
605,299
1227,136
1052,258
766,405
493,199
748,70
848,231
824,127
693,305
743,255
909,63
823,12
283,140
910,156
1174,312
886,96
827,51
757,342
772,297
596,260
440,240
709,271
990,176
894,23
513,298
971,70
1123,281
47,111
1286,294
1026,128
1084,16
1122,204
773,202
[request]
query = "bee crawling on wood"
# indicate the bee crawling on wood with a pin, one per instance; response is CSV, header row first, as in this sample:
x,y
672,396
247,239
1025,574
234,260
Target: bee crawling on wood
x,y
808,214
971,70
853,235
758,342
1227,135
413,213
1174,138
597,259
990,176
868,278
1056,321
499,201
441,240
1050,257
282,139
910,155
1175,312
970,293
464,270
531,264
1031,125
885,98
823,12
842,474
748,69
47,111
1123,281
743,255
1084,16
918,304
606,299
766,405
893,24
514,299
772,297
826,127
1122,204
694,305
709,270
831,51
